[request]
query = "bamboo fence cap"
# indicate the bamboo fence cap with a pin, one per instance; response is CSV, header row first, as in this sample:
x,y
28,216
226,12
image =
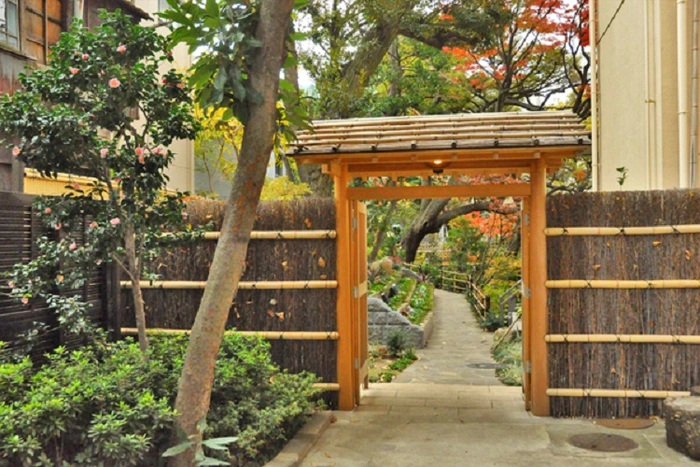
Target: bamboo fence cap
x,y
466,131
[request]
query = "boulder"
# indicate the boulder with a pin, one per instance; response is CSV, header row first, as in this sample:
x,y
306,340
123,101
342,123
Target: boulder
x,y
405,272
383,322
683,425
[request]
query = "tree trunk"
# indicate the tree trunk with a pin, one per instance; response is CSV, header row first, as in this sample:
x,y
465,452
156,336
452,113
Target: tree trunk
x,y
381,231
132,264
194,392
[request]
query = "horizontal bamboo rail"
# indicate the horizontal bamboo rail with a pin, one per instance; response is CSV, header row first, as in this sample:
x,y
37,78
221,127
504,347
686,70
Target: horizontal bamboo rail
x,y
327,386
282,235
267,335
608,231
260,285
635,284
623,338
623,393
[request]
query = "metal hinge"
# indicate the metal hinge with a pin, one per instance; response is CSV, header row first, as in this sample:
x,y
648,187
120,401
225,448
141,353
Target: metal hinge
x,y
527,367
356,364
354,222
355,292
526,219
526,292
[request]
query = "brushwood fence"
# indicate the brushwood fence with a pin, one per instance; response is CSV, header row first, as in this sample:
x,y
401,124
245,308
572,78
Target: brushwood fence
x,y
287,292
21,228
624,301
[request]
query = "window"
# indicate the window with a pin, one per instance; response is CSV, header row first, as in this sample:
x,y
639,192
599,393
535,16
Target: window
x,y
9,23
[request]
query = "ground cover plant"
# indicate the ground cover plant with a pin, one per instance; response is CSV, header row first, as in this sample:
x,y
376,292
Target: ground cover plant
x,y
106,405
385,364
510,355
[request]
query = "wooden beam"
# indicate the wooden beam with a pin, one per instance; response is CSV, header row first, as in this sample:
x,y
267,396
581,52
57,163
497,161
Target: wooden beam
x,y
538,291
344,365
449,191
525,267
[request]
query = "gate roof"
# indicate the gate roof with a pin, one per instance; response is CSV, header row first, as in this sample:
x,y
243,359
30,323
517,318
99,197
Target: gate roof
x,y
424,144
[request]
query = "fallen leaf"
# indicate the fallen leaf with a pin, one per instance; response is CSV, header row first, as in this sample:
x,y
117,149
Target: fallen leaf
x,y
307,222
273,301
321,262
271,313
280,315
323,277
607,244
688,254
612,370
596,267
284,264
656,243
326,454
333,419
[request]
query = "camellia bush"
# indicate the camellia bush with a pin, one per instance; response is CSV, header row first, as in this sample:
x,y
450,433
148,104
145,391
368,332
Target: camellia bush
x,y
102,109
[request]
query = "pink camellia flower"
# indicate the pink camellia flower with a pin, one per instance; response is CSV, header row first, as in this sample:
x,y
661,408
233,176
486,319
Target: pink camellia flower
x,y
98,262
57,226
114,83
73,70
115,221
142,159
73,246
16,151
184,215
93,224
47,211
181,85
101,73
85,56
157,151
139,151
164,80
11,284
104,152
25,300
121,49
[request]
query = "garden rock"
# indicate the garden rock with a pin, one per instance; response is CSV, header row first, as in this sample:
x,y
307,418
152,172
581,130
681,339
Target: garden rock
x,y
683,425
411,274
506,335
384,322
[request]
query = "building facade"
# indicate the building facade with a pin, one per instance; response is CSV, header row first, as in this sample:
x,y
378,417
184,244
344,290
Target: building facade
x,y
647,113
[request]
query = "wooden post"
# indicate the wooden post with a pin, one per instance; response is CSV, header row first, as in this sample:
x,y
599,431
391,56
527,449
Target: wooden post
x,y
538,291
364,330
354,268
525,266
346,396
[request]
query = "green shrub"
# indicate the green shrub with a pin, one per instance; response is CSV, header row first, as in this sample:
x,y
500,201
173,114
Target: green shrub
x,y
509,354
396,343
421,302
107,405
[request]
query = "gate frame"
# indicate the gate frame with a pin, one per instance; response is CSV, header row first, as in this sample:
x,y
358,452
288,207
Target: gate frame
x,y
535,156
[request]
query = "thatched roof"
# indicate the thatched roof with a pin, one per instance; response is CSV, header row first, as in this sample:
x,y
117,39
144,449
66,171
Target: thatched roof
x,y
438,132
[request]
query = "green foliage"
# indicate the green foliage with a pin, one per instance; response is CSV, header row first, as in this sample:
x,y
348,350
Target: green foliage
x,y
421,302
510,354
405,284
491,321
107,405
77,116
282,188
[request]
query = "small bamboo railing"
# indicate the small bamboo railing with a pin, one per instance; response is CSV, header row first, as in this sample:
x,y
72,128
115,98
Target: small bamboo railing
x,y
267,335
621,393
623,338
611,231
253,285
631,284
282,235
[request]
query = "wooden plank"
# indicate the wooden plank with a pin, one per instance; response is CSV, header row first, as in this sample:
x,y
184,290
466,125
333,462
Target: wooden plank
x,y
450,191
346,399
538,299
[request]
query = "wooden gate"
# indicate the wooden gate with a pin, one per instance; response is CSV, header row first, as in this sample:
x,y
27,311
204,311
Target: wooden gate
x,y
359,297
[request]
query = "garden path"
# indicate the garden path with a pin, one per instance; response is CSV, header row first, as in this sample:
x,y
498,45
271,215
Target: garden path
x,y
456,349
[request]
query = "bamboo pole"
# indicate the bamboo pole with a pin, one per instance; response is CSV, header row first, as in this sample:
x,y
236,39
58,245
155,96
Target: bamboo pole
x,y
267,335
282,235
624,338
262,285
634,284
327,386
622,393
610,231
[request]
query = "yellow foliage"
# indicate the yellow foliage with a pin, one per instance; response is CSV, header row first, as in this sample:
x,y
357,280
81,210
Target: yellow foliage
x,y
282,188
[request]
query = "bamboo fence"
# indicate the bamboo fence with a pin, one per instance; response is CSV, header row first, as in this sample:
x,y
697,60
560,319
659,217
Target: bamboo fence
x,y
623,300
288,288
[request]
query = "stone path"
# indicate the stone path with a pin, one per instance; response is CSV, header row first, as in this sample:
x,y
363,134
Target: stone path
x,y
444,413
456,346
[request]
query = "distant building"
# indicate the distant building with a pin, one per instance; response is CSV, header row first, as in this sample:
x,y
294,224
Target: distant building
x,y
647,89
